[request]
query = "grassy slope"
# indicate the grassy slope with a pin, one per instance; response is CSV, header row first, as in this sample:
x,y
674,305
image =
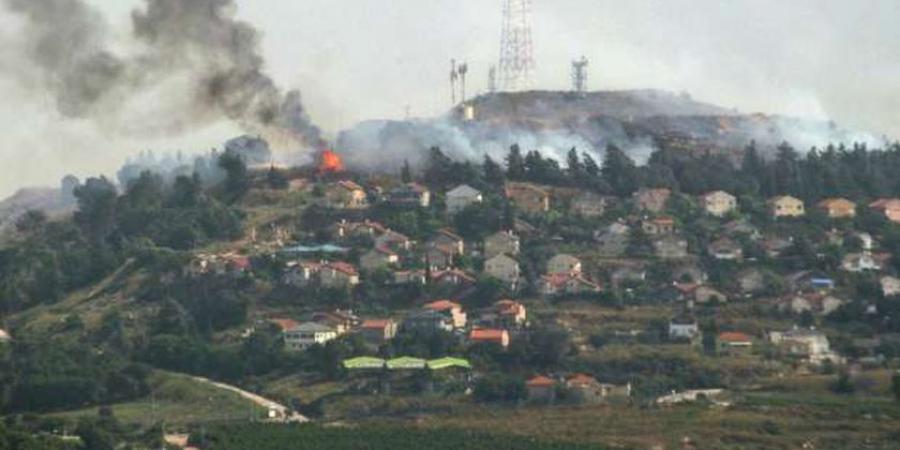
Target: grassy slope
x,y
180,401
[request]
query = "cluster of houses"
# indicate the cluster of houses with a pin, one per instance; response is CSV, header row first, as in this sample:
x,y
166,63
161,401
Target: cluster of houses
x,y
443,259
493,325
577,388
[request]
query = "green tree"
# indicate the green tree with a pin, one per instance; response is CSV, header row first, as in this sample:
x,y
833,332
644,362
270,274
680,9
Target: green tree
x,y
96,207
515,164
406,172
619,171
237,180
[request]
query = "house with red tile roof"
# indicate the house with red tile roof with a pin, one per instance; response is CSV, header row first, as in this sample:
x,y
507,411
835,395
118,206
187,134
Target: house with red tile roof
x,y
449,308
489,336
735,339
541,389
889,207
658,226
284,324
452,277
511,312
838,208
378,331
338,275
567,283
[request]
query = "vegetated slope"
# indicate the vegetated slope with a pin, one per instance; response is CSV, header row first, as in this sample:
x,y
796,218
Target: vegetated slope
x,y
275,437
48,200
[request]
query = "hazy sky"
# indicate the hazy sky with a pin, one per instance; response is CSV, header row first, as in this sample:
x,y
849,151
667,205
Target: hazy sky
x,y
364,59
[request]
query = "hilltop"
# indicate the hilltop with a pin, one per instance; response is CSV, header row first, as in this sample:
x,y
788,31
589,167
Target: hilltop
x,y
638,121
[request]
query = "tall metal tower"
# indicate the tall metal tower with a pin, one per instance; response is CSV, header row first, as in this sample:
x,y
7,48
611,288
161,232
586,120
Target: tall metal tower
x,y
580,75
516,47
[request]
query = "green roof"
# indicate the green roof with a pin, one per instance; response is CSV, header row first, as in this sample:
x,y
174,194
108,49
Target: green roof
x,y
405,363
364,362
446,363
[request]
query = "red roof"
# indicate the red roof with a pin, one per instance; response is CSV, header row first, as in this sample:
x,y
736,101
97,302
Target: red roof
x,y
734,336
240,262
664,221
540,381
453,272
487,335
509,307
835,202
343,267
580,379
559,280
376,324
885,203
442,305
285,324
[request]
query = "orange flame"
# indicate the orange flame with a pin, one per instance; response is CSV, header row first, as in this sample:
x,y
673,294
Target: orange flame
x,y
331,162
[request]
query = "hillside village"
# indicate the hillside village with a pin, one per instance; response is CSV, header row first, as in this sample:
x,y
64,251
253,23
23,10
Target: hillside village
x,y
513,283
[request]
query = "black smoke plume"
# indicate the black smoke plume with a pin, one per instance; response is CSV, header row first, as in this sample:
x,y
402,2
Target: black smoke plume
x,y
193,55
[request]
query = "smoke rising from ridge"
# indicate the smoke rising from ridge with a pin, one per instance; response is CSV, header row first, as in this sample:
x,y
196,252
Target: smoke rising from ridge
x,y
191,61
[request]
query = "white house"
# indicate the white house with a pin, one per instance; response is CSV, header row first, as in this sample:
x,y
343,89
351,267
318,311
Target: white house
x,y
460,197
308,334
890,286
860,262
683,328
810,344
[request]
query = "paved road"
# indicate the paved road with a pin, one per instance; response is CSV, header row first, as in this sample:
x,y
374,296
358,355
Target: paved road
x,y
280,411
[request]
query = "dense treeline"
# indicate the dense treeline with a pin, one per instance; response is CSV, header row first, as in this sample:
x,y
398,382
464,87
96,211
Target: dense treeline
x,y
56,257
855,172
279,437
57,375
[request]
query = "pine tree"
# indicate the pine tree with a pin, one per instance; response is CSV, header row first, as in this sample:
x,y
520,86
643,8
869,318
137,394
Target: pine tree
x,y
619,171
515,164
493,173
574,167
406,172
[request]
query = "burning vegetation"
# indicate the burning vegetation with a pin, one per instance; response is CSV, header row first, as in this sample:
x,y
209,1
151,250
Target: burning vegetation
x,y
330,162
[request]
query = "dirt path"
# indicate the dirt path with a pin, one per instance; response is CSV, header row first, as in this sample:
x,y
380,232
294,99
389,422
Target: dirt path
x,y
280,411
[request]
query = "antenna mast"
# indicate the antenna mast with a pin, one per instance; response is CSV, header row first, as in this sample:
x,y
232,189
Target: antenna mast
x,y
492,79
516,47
580,75
454,77
463,70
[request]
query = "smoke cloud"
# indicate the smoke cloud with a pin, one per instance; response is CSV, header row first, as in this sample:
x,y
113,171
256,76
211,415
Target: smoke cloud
x,y
191,64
